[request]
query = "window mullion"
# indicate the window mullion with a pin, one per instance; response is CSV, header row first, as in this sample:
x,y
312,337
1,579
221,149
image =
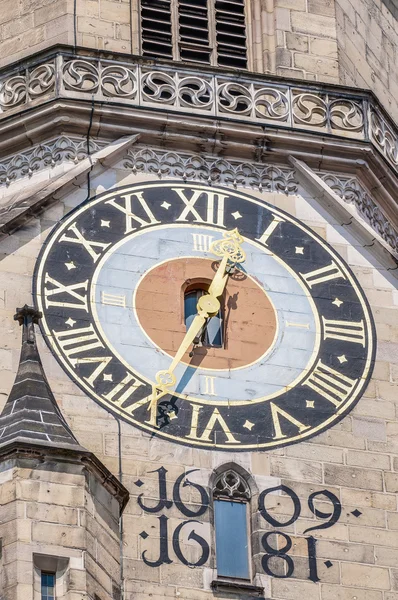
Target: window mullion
x,y
211,8
175,28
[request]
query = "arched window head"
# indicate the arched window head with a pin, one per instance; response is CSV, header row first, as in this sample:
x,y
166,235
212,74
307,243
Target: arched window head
x,y
231,485
212,32
231,497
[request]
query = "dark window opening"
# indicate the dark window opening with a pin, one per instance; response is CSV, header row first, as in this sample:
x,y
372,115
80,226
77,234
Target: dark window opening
x,y
47,586
212,334
156,28
204,31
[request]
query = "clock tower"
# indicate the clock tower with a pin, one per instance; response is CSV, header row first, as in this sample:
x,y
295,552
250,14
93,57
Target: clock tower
x,y
198,217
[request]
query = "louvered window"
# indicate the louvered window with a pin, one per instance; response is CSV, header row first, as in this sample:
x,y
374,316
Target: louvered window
x,y
203,31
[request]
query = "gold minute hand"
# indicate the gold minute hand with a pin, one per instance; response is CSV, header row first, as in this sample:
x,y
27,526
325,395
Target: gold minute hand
x,y
220,279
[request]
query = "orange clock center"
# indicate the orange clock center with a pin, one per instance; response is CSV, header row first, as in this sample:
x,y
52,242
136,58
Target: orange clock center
x,y
248,318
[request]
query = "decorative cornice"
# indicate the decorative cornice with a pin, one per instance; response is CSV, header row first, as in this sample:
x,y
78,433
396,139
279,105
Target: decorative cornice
x,y
211,170
351,191
260,100
199,167
52,153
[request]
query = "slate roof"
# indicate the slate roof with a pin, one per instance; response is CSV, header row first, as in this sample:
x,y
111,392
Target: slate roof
x,y
31,414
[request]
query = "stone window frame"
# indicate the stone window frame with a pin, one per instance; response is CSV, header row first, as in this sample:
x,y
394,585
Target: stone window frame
x,y
50,564
250,496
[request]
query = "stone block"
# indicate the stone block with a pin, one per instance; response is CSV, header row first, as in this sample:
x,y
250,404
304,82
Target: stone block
x,y
353,477
322,7
378,537
340,592
372,460
95,27
365,576
60,535
297,41
115,11
296,469
312,24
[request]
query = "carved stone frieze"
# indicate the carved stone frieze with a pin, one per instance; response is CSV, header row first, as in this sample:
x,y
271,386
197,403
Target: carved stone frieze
x,y
50,154
211,170
351,191
27,85
250,98
198,167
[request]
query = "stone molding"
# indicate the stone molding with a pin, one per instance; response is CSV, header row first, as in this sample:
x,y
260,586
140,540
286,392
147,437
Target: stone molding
x,y
52,153
353,192
254,99
211,170
204,168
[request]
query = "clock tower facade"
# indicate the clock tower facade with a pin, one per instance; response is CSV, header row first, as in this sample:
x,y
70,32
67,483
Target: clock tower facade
x,y
198,218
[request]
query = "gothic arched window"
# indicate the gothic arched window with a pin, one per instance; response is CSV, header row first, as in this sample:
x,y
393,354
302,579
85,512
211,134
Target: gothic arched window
x,y
212,32
231,500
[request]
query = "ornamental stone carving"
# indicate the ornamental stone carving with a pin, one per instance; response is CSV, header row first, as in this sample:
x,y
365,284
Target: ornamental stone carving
x,y
230,484
50,154
351,191
249,98
26,86
211,170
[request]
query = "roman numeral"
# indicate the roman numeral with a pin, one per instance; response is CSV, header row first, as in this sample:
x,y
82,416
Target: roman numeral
x,y
348,331
270,229
330,384
89,245
208,430
131,218
323,274
76,341
209,385
60,288
276,413
113,300
214,207
124,390
102,361
202,242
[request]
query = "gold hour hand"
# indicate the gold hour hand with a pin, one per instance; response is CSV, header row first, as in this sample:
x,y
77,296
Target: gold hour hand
x,y
166,379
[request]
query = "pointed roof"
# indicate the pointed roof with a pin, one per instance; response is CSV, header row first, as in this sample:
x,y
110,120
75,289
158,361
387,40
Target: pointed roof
x,y
31,414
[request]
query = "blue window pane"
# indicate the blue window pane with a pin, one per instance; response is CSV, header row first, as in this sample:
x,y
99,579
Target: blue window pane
x,y
213,335
232,543
47,586
190,310
213,331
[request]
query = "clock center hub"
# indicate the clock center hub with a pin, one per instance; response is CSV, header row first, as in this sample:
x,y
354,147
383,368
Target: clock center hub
x,y
249,319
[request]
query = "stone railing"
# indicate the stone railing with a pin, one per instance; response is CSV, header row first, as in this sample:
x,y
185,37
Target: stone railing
x,y
252,98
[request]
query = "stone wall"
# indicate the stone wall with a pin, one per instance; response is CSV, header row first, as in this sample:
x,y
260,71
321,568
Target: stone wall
x,y
356,460
54,516
367,35
305,40
32,25
334,41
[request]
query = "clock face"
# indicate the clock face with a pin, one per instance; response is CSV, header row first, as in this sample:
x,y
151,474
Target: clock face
x,y
204,316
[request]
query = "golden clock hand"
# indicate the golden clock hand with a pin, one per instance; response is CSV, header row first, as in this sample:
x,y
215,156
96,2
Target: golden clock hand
x,y
220,279
165,379
208,305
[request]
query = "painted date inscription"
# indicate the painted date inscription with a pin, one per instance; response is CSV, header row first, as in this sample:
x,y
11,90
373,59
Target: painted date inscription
x,y
276,560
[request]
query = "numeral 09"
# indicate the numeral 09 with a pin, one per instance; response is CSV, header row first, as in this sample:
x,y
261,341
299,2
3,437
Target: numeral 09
x,y
332,517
